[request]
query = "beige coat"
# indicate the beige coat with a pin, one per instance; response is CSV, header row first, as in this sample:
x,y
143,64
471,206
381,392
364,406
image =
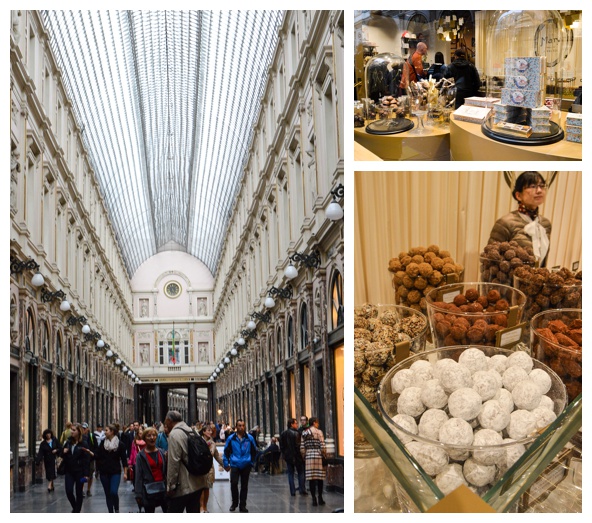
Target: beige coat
x,y
178,478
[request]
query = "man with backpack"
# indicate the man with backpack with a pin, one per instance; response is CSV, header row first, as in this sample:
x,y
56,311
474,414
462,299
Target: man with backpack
x,y
240,452
189,461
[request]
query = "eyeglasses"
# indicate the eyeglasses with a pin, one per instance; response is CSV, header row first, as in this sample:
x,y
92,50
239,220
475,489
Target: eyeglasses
x,y
535,186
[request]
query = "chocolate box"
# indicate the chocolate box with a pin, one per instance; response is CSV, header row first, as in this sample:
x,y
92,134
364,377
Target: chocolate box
x,y
525,82
522,97
574,120
525,65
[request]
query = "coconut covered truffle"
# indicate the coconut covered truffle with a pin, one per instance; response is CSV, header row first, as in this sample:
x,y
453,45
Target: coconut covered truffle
x,y
456,431
542,379
455,377
512,376
486,383
489,438
432,459
408,423
464,403
521,359
504,398
402,379
422,369
498,362
543,417
511,454
450,478
473,359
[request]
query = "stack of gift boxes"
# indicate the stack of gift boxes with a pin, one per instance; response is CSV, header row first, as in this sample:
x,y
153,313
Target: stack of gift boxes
x,y
523,96
573,128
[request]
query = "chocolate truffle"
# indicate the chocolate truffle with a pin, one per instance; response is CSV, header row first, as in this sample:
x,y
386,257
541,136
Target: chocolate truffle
x,y
493,416
464,403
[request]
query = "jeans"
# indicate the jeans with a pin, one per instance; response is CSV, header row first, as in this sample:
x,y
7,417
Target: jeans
x,y
301,482
243,474
111,487
187,503
70,483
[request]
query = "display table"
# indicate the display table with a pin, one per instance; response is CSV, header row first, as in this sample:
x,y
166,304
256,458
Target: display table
x,y
433,145
467,142
361,154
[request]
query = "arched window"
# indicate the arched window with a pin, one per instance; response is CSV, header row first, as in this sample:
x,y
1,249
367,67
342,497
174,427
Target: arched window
x,y
290,337
336,301
30,333
45,349
59,350
278,350
303,326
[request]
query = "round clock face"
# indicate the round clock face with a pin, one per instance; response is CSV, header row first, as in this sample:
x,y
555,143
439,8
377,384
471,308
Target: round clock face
x,y
172,289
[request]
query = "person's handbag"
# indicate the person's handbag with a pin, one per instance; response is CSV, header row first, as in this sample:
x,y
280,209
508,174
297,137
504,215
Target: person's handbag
x,y
61,470
155,491
324,460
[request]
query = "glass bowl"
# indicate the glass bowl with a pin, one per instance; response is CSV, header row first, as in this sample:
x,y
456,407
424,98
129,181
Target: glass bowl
x,y
388,405
551,349
476,321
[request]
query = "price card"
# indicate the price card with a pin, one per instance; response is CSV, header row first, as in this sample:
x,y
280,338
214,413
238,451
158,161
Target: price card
x,y
401,351
450,293
507,338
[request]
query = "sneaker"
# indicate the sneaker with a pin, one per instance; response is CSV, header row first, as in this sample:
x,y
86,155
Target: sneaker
x,y
232,508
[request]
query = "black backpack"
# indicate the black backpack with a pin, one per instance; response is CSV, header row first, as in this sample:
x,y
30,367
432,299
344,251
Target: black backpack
x,y
199,457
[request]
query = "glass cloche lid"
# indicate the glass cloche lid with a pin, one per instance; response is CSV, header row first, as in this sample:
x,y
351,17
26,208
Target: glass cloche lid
x,y
383,75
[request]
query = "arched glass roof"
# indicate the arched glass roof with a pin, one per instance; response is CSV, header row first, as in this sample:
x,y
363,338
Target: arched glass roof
x,y
167,101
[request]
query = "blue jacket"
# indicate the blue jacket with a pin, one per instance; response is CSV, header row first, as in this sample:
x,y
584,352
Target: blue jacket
x,y
240,454
162,441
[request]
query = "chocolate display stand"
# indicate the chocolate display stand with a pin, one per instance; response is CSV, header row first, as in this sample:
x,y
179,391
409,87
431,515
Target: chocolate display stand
x,y
556,135
389,126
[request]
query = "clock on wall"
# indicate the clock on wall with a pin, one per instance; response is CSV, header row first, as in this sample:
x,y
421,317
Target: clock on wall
x,y
172,289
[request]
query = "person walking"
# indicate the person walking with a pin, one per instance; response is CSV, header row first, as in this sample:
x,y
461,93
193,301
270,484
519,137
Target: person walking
x,y
162,440
76,458
290,446
66,433
150,482
137,445
240,452
312,448
208,432
89,438
183,489
111,457
48,452
437,69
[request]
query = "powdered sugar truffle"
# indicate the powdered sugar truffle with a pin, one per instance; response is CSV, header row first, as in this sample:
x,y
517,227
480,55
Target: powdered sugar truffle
x,y
526,395
456,431
430,423
408,423
440,365
454,377
498,362
432,458
542,379
422,370
547,403
504,397
486,383
477,474
543,417
473,359
403,379
410,403
464,403
511,454
521,359
450,478
522,423
487,438
512,376
493,416
433,395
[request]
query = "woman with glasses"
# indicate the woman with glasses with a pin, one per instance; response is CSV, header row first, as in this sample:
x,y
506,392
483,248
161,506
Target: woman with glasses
x,y
525,225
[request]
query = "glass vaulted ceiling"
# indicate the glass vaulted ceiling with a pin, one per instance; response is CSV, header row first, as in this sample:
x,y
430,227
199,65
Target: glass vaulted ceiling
x,y
167,101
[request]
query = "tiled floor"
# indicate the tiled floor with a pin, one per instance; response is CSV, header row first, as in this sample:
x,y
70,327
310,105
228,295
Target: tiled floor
x,y
266,494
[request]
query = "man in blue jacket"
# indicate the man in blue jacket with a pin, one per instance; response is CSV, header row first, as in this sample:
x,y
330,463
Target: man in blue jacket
x,y
240,451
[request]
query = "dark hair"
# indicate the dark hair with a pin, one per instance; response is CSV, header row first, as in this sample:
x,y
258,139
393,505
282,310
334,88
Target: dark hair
x,y
312,421
46,432
292,420
459,53
439,58
524,180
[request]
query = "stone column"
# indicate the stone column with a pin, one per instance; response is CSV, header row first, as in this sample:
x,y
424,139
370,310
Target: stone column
x,y
158,414
192,407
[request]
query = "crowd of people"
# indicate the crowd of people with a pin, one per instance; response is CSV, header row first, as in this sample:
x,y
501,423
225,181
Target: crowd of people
x,y
171,465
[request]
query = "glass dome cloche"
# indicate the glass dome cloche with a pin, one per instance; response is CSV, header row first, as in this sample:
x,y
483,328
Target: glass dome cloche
x,y
524,69
383,75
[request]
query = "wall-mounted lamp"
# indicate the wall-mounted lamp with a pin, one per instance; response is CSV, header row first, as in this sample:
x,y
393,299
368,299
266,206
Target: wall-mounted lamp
x,y
226,359
334,211
118,361
312,261
33,360
89,336
233,351
241,342
249,334
17,266
47,296
285,293
109,353
100,344
73,320
124,369
251,325
265,317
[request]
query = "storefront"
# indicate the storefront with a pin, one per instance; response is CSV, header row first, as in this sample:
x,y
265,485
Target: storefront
x,y
432,85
